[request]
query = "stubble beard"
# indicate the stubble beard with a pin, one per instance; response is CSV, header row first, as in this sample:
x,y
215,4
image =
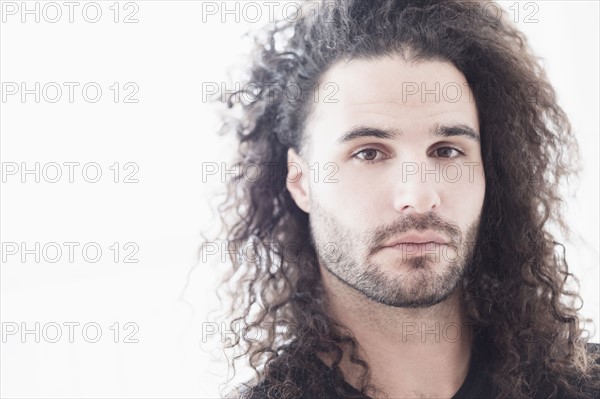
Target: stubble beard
x,y
415,281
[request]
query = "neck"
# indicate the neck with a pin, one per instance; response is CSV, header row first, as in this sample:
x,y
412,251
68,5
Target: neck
x,y
410,351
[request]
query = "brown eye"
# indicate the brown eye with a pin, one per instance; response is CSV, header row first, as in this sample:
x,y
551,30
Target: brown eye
x,y
447,152
369,154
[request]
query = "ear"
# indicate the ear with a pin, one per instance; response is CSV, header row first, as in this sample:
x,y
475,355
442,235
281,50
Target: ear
x,y
297,180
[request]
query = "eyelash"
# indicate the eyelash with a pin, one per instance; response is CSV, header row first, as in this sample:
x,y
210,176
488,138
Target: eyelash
x,y
460,153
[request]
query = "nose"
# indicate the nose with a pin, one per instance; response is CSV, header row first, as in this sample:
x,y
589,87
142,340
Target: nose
x,y
416,191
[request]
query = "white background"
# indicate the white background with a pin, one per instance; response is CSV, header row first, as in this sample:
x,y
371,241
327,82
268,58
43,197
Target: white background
x,y
169,133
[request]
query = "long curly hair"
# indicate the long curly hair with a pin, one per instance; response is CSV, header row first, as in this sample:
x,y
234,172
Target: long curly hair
x,y
516,290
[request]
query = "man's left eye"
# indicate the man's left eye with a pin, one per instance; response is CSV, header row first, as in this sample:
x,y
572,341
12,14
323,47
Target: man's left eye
x,y
448,152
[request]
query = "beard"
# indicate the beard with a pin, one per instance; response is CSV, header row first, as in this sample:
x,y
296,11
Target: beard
x,y
417,280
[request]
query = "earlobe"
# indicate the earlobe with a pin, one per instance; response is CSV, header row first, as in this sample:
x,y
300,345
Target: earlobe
x,y
297,181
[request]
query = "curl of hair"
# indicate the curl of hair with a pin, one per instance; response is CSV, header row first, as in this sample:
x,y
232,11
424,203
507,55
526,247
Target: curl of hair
x,y
516,288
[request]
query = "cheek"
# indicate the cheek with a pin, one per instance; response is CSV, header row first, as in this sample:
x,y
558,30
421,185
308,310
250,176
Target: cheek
x,y
356,199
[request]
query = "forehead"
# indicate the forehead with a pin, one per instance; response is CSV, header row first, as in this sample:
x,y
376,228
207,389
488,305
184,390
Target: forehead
x,y
390,93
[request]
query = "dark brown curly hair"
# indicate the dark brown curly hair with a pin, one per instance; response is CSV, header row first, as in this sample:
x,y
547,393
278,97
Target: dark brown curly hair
x,y
515,289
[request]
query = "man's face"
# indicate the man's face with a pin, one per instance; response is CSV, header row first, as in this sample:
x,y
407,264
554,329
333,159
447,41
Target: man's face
x,y
396,160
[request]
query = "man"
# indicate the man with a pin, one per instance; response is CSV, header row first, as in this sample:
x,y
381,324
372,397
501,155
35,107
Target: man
x,y
405,252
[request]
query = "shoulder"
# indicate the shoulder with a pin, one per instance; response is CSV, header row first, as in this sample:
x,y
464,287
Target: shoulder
x,y
314,380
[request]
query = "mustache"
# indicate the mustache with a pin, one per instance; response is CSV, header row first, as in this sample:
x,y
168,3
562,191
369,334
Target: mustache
x,y
428,221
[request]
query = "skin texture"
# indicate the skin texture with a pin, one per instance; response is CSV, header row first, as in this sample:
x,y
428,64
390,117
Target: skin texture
x,y
416,181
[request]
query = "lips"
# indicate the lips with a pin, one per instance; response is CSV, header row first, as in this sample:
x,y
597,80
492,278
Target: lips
x,y
416,238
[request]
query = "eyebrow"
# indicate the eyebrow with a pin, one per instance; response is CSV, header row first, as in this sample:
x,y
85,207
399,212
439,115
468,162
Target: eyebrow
x,y
361,131
456,130
389,134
